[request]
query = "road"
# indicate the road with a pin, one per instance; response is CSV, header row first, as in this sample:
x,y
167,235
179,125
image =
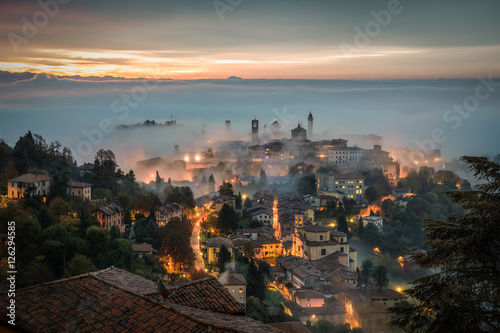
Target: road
x,y
195,243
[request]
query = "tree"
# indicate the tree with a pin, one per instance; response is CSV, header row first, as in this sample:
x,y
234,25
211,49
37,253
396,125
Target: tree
x,y
262,178
223,257
59,207
307,185
211,183
248,203
248,249
380,277
366,270
342,224
463,294
8,172
361,227
256,284
371,194
80,264
175,240
226,222
226,189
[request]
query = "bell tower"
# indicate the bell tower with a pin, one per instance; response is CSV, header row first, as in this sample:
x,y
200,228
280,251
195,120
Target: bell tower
x,y
310,125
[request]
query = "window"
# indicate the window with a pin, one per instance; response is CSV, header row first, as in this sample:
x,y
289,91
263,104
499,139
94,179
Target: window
x,y
241,291
233,290
342,249
308,305
241,298
341,240
323,252
320,237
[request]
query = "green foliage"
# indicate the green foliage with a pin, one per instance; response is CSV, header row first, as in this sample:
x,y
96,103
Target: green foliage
x,y
257,310
262,178
223,257
366,270
248,249
227,220
301,169
462,295
342,224
80,264
182,195
379,276
248,203
226,189
371,194
307,185
146,231
147,202
256,284
175,240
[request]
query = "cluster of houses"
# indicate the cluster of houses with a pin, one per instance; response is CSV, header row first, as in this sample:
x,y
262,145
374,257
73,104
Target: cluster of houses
x,y
16,187
313,266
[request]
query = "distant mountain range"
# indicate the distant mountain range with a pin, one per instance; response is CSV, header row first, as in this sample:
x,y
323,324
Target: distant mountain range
x,y
6,76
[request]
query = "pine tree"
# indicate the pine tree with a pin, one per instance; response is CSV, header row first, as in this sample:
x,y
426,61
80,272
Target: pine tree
x,y
342,224
463,295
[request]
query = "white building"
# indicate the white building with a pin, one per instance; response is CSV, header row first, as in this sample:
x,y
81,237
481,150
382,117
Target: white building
x,y
16,186
79,189
349,185
345,157
377,220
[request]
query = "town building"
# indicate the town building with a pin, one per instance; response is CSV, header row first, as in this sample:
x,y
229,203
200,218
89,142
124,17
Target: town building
x,y
213,246
166,212
110,216
347,185
17,186
377,220
236,285
80,189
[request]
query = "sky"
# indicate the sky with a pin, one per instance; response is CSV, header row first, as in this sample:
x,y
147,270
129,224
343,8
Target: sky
x,y
287,39
392,68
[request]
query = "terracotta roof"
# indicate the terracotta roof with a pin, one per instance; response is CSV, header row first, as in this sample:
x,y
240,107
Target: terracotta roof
x,y
141,247
205,294
232,278
110,209
384,293
308,294
315,228
124,279
30,178
86,166
78,184
226,321
218,241
291,327
87,303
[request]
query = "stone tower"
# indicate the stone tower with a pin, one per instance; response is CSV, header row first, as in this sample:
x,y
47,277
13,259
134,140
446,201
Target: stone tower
x,y
310,125
255,130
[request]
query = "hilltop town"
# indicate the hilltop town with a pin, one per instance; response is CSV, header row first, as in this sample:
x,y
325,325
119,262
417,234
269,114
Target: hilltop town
x,y
289,231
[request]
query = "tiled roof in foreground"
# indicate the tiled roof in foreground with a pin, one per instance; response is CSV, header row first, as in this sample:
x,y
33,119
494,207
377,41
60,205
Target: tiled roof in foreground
x,y
89,303
205,294
127,280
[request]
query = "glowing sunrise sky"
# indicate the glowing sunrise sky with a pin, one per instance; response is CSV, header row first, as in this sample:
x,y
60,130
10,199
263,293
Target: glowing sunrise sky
x,y
256,39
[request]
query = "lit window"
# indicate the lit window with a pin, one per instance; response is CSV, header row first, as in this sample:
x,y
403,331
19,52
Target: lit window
x,y
241,290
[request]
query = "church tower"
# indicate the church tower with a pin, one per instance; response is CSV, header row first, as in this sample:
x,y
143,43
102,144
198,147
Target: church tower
x,y
255,130
310,125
